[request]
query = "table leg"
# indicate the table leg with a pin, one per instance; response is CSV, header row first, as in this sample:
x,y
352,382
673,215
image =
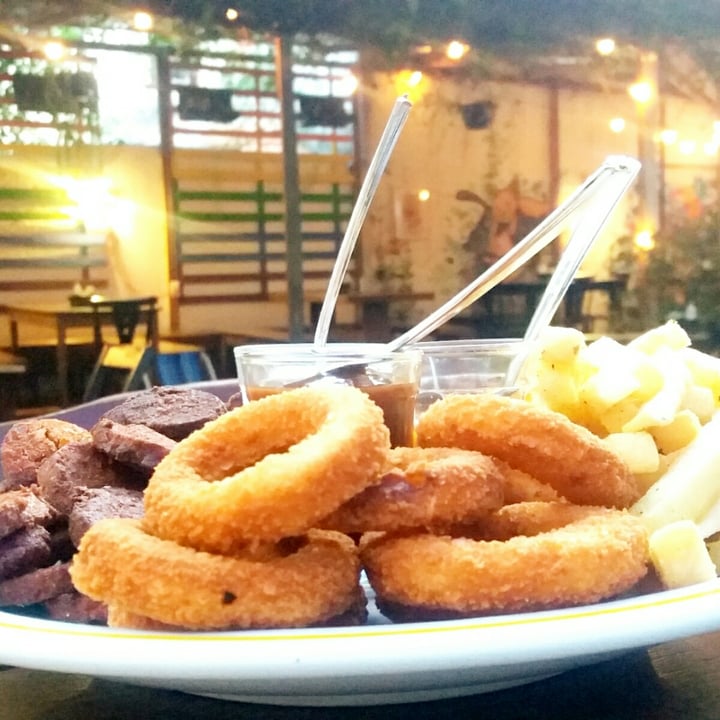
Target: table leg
x,y
376,319
62,363
14,338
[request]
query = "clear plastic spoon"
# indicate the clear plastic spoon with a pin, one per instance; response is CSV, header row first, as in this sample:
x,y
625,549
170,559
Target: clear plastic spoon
x,y
390,135
605,187
581,240
608,183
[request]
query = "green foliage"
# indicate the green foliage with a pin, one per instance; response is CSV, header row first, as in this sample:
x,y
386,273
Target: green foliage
x,y
683,270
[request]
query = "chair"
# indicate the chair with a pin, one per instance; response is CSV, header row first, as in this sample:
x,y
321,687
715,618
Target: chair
x,y
171,364
126,316
118,359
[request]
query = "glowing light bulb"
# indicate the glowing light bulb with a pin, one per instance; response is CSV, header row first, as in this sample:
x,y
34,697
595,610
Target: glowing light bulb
x,y
617,124
415,78
711,148
641,91
54,50
232,14
423,195
347,85
456,50
644,240
605,46
143,21
687,147
668,136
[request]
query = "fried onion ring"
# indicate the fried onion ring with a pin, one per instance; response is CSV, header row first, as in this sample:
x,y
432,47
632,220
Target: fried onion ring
x,y
267,470
298,582
520,486
537,441
555,555
425,486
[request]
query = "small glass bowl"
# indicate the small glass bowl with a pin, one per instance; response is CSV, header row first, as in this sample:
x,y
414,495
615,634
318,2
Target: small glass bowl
x,y
466,366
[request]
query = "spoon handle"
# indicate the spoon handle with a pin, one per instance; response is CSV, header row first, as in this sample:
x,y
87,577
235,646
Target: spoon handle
x,y
390,135
623,172
541,236
580,242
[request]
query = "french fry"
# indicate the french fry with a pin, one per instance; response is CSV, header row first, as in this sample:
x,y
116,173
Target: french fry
x,y
646,480
700,401
670,336
690,487
705,370
680,556
561,345
677,434
662,407
638,450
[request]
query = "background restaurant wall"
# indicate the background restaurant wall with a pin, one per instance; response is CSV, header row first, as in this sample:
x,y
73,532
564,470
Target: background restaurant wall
x,y
420,242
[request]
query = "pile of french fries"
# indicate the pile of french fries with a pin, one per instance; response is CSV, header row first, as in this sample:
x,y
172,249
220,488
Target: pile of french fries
x,y
654,401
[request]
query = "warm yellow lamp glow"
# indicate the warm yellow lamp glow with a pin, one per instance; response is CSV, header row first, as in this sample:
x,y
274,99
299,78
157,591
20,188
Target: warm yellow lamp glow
x,y
456,50
668,136
232,14
347,85
605,46
617,124
644,240
410,82
423,195
54,50
143,21
687,147
92,200
711,148
641,92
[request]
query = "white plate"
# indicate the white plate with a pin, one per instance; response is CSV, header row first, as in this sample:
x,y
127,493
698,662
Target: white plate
x,y
376,663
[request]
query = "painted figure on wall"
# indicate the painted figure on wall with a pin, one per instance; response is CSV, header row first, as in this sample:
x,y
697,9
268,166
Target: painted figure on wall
x,y
502,223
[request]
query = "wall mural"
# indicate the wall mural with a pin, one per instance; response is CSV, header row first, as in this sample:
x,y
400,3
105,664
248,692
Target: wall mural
x,y
503,221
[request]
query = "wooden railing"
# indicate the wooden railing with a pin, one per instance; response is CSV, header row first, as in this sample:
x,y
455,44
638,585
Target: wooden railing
x,y
231,244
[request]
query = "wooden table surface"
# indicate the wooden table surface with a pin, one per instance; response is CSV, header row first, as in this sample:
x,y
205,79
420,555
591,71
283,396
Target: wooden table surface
x,y
675,680
58,318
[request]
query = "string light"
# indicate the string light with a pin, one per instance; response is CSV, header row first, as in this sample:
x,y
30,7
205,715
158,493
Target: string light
x,y
423,195
617,124
143,21
641,91
54,50
232,14
644,240
410,82
668,136
687,147
456,50
605,46
348,85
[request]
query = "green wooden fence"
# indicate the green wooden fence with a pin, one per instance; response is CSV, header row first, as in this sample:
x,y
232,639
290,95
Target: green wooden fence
x,y
231,243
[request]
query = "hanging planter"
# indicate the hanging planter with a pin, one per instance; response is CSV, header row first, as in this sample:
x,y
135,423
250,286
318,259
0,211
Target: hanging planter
x,y
63,92
321,111
209,104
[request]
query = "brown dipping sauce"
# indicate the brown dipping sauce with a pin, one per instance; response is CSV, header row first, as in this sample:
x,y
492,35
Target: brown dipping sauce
x,y
397,401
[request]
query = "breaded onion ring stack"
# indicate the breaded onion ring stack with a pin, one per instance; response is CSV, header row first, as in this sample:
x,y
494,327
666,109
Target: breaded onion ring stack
x,y
227,538
543,443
